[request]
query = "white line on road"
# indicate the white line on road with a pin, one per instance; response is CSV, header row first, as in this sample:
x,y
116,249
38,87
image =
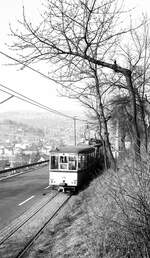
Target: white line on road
x,y
26,200
47,187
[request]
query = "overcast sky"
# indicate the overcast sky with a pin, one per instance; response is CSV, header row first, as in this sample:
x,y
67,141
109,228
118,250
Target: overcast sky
x,y
27,82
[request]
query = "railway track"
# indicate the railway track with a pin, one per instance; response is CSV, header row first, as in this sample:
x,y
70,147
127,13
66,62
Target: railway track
x,y
17,238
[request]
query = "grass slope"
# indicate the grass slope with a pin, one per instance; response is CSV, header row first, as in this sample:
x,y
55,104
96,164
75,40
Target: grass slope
x,y
110,218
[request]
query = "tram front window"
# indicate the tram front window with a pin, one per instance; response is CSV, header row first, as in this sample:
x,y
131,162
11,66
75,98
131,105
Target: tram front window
x,y
54,162
63,159
63,162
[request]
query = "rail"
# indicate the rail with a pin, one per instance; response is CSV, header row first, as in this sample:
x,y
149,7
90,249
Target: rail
x,y
16,239
15,225
14,169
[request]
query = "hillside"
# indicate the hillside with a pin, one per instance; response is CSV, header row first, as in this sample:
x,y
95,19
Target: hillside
x,y
108,219
36,119
31,125
12,131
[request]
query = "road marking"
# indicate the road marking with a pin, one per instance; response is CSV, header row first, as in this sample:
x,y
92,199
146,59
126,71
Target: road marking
x,y
26,200
47,187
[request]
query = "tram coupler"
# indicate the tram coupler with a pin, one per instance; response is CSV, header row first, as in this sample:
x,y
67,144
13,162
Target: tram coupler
x,y
62,187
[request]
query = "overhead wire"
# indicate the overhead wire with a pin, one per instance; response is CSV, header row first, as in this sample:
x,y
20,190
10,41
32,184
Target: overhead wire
x,y
31,68
22,97
35,103
6,99
25,65
31,101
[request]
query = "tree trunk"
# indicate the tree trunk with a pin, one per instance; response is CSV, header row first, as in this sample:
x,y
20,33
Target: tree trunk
x,y
143,119
106,133
127,75
136,136
111,157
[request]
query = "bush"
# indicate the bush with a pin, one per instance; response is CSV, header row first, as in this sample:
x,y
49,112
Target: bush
x,y
126,219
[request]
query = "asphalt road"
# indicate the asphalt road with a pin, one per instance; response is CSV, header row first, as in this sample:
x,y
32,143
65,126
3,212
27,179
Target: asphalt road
x,y
19,193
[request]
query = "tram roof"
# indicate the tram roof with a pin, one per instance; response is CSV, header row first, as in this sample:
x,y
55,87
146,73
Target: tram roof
x,y
74,149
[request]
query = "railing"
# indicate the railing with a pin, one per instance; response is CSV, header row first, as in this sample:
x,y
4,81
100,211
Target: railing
x,y
16,170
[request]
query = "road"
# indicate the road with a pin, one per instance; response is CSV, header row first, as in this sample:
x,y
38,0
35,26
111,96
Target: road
x,y
19,193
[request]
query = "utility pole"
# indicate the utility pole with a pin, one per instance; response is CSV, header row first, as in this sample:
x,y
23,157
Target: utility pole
x,y
75,131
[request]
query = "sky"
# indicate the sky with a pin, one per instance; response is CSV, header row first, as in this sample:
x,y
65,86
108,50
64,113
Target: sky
x,y
26,81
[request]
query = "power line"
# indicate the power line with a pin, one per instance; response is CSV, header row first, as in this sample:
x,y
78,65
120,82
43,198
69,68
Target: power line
x,y
25,65
35,103
6,99
31,68
31,101
45,76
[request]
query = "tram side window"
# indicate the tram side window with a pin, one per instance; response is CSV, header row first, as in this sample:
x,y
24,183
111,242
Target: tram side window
x,y
88,158
85,160
72,163
81,161
54,162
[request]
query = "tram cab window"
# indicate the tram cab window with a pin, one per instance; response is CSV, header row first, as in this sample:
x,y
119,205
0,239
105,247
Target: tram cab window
x,y
72,163
54,162
63,162
63,159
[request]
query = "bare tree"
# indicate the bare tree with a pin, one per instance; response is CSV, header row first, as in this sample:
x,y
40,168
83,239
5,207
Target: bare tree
x,y
73,35
137,55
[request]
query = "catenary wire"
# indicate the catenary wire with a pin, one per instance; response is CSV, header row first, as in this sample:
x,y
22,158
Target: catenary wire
x,y
7,99
47,77
35,103
31,101
31,68
25,65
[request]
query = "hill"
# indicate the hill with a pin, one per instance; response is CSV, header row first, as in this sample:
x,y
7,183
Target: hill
x,y
37,119
13,132
29,125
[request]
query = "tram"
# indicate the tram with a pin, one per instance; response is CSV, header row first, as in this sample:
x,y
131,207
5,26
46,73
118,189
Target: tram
x,y
71,166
